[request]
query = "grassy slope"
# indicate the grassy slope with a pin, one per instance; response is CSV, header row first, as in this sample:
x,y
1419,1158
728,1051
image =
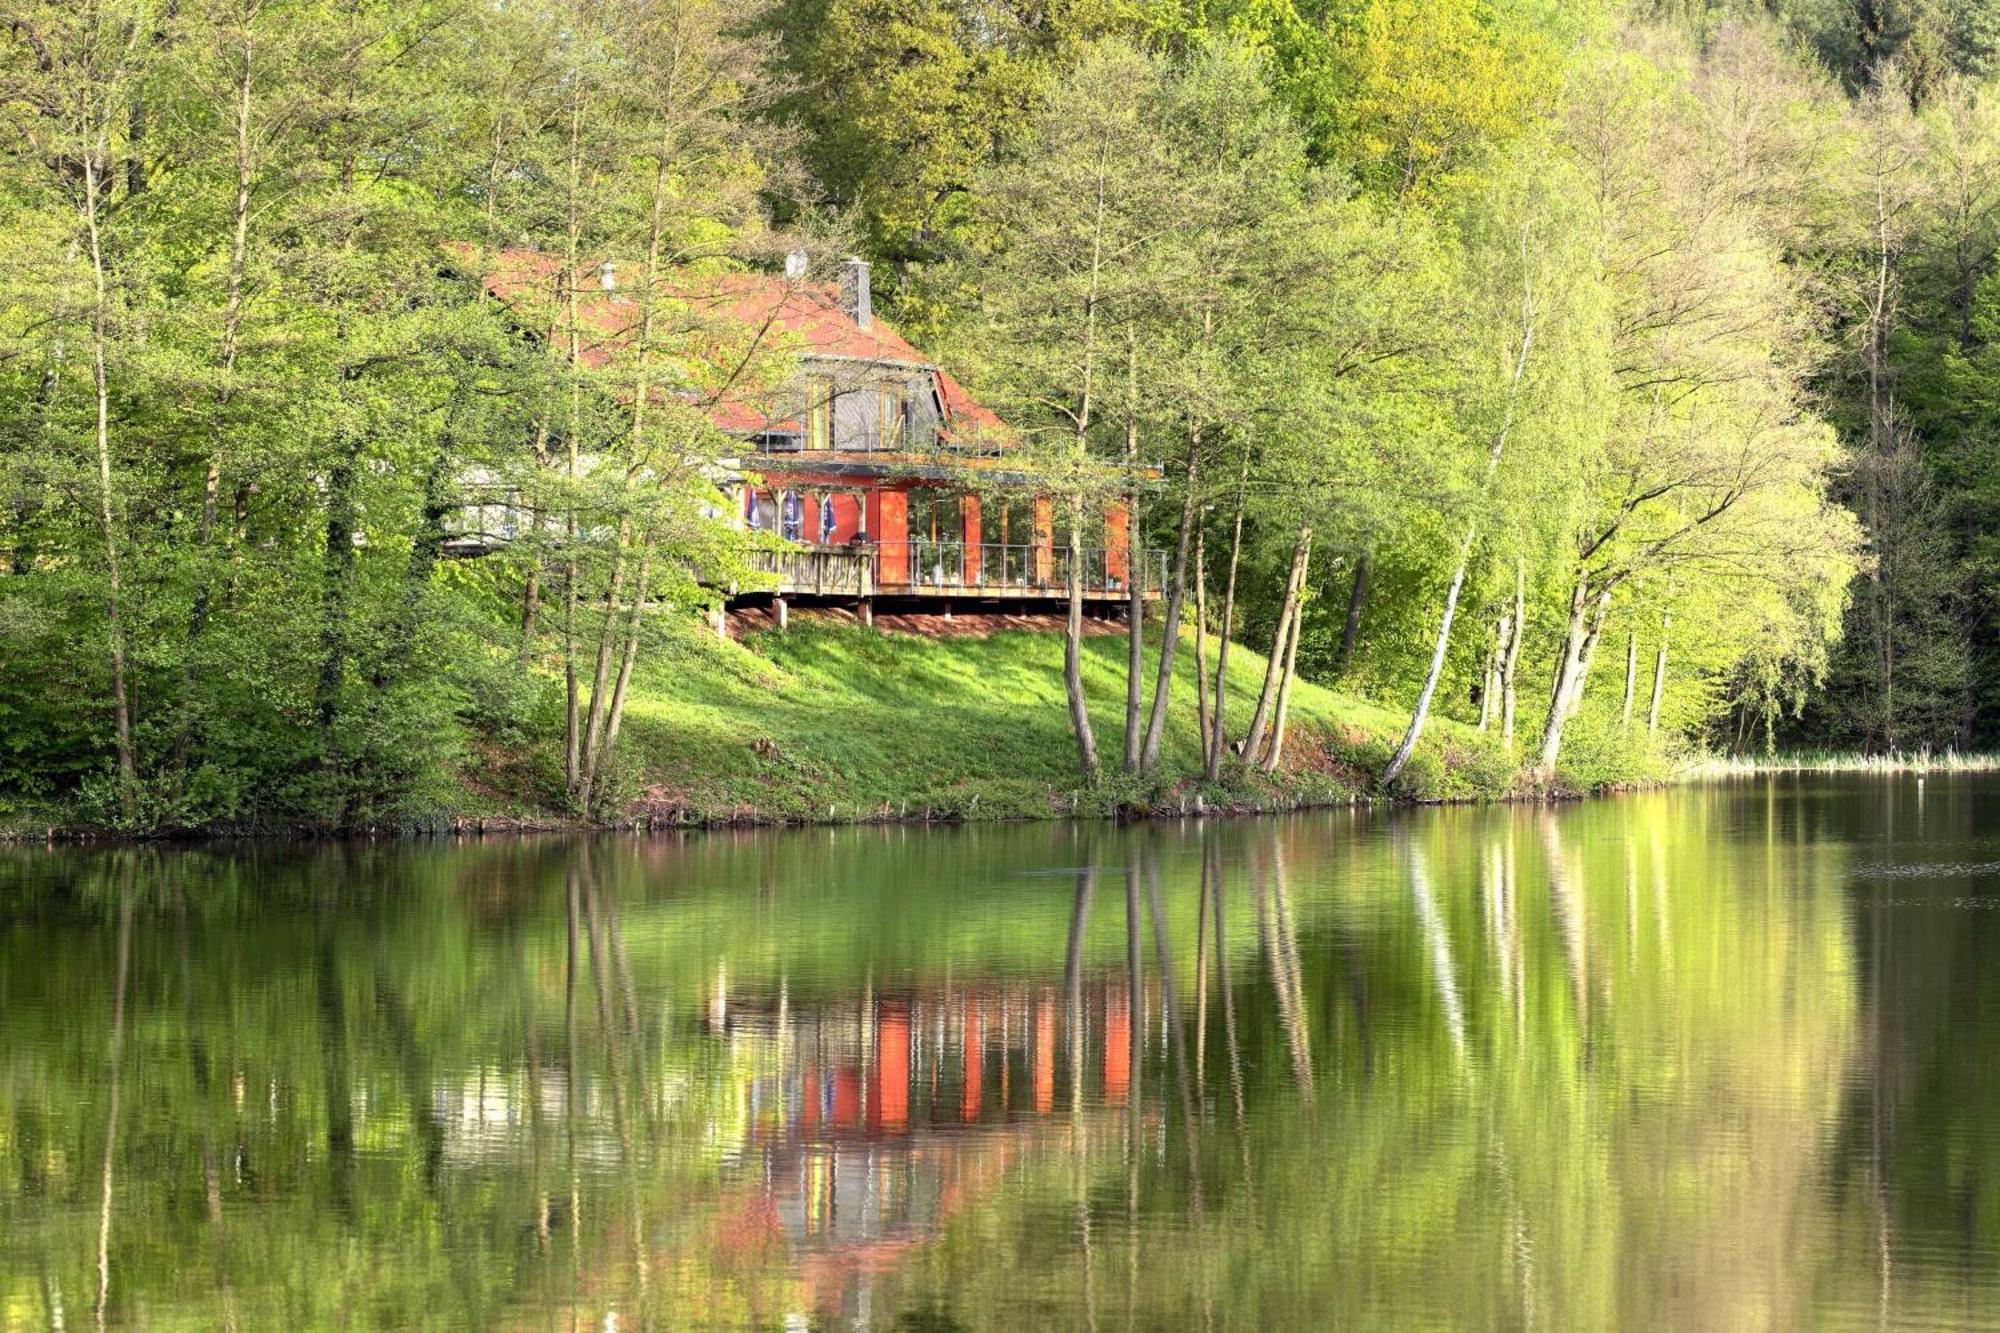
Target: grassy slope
x,y
835,721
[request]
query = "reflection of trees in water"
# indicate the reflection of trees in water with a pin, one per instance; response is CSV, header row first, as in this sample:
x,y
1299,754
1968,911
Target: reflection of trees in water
x,y
1505,1067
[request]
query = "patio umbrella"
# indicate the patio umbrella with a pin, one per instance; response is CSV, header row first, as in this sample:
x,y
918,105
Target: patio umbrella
x,y
826,519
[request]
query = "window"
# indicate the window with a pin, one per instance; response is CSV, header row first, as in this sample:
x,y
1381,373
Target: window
x,y
894,420
819,412
937,538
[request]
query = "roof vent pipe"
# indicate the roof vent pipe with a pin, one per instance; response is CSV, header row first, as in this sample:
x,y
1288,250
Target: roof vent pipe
x,y
854,291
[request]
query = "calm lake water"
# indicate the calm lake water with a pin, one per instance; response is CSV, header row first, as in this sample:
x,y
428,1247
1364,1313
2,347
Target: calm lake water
x,y
1710,1059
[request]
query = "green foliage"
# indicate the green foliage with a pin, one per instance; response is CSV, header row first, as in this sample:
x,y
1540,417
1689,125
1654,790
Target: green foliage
x,y
1483,294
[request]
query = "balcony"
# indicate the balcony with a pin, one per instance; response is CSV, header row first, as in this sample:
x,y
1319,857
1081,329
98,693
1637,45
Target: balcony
x,y
858,440
919,568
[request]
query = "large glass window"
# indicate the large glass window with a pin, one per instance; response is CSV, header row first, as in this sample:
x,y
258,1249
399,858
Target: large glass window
x,y
937,537
1007,539
1090,538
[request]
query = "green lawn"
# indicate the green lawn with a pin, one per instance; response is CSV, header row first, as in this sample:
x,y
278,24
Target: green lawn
x,y
834,721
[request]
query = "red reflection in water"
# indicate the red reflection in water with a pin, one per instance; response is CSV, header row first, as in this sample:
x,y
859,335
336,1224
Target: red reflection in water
x,y
1117,1048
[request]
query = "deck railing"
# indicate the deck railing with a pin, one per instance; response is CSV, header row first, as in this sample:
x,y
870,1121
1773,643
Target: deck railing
x,y
924,567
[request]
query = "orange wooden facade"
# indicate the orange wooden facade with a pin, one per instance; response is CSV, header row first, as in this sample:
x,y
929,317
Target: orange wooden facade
x,y
877,511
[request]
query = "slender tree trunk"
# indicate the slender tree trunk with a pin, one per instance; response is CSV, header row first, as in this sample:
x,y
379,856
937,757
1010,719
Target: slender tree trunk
x,y
1201,718
1218,739
1493,455
1170,635
1350,631
1274,666
100,339
1570,651
616,714
1276,751
1512,660
531,607
638,460
1135,572
1631,678
232,325
1880,301
572,255
1592,639
1421,712
1079,707
1586,624
336,575
600,681
343,478
1659,678
1489,681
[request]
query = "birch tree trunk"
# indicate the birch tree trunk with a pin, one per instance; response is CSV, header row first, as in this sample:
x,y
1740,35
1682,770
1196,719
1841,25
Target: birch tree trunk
x,y
1201,719
95,156
1079,709
1489,687
600,682
597,743
1170,636
1568,663
1659,678
1421,712
1274,666
232,323
616,714
1135,573
1219,737
1512,660
1586,625
1275,752
572,249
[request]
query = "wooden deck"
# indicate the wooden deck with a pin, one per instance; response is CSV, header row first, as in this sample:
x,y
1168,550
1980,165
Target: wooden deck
x,y
952,570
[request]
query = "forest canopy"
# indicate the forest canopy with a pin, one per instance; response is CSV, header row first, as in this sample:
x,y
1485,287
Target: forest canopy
x,y
1606,379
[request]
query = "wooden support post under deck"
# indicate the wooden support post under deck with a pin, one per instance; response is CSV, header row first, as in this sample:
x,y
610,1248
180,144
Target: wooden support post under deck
x,y
721,620
784,612
865,609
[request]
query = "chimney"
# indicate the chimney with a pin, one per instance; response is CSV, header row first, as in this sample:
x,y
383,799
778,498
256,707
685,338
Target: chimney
x,y
796,264
854,291
607,275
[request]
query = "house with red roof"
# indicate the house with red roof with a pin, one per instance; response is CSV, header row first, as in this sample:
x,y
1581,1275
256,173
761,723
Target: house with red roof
x,y
884,478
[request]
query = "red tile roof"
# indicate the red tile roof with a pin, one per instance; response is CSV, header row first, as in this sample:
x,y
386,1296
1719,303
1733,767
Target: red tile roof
x,y
809,315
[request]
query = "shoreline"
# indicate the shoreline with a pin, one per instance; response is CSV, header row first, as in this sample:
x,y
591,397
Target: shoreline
x,y
472,827
1190,806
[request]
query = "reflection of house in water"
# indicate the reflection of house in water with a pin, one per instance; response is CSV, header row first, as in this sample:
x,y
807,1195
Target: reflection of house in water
x,y
889,1117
